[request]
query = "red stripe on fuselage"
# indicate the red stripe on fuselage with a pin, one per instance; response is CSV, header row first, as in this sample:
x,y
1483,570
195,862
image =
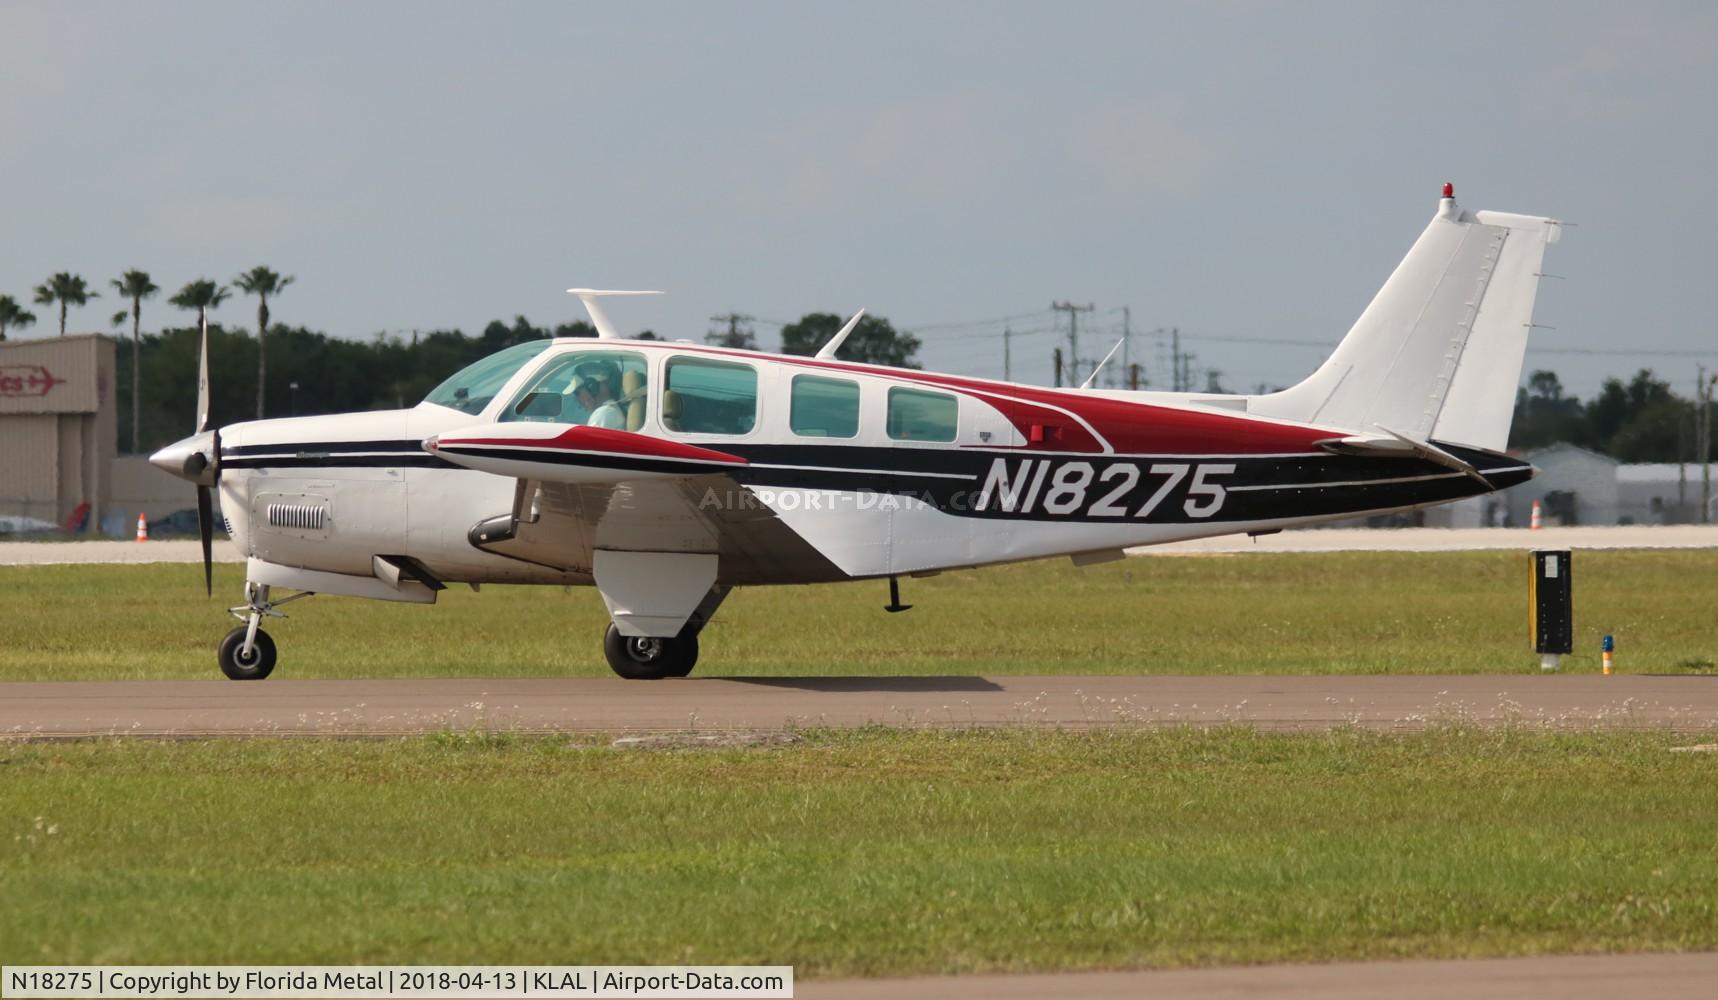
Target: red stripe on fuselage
x,y
580,438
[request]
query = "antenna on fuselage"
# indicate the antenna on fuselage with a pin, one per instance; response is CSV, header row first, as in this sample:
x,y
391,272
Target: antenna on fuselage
x,y
827,351
1087,384
599,319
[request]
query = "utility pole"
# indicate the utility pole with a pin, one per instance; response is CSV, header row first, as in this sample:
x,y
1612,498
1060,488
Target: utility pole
x,y
1073,312
1133,376
1126,339
1703,443
1180,364
1007,358
1682,448
1058,357
735,337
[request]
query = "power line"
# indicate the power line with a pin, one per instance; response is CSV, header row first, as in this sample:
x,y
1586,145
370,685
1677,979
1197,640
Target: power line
x,y
1624,352
956,324
974,334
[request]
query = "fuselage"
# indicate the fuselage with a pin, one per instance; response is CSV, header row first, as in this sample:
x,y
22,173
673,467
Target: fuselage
x,y
880,470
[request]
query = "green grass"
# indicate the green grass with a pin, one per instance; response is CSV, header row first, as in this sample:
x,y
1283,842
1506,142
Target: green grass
x,y
1247,614
860,853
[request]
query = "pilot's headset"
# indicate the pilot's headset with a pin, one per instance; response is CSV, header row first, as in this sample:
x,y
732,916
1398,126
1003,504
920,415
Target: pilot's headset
x,y
593,376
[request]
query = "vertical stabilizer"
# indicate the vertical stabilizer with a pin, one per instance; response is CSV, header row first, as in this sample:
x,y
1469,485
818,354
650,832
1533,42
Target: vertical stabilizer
x,y
1438,352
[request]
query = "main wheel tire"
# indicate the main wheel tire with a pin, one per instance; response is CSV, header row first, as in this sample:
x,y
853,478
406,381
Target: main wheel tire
x,y
639,658
239,667
686,652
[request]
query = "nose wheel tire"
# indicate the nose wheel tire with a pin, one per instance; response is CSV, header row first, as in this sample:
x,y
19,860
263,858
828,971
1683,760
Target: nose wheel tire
x,y
643,658
239,667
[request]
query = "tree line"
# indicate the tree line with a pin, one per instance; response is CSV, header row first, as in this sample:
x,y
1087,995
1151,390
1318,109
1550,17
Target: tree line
x,y
314,373
285,370
1640,420
310,372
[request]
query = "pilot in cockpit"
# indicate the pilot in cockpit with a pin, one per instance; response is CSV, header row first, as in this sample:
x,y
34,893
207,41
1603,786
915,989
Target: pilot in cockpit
x,y
597,387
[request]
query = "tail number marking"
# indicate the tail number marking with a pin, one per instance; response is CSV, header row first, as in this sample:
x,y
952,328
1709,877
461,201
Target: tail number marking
x,y
1066,488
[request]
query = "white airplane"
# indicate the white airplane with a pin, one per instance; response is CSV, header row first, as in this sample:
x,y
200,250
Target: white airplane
x,y
667,473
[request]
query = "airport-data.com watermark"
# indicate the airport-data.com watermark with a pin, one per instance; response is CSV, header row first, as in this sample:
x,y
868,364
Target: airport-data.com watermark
x,y
376,982
765,498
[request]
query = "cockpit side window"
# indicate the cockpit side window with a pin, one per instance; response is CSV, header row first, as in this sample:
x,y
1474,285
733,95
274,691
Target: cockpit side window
x,y
471,388
594,388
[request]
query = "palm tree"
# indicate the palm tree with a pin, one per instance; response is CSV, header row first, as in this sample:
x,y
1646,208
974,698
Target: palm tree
x,y
201,295
13,315
136,286
261,282
67,290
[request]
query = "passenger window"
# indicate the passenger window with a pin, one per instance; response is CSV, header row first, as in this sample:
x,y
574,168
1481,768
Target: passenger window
x,y
594,388
710,397
915,415
824,407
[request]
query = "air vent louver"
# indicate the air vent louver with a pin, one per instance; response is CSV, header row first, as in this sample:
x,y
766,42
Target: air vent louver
x,y
303,516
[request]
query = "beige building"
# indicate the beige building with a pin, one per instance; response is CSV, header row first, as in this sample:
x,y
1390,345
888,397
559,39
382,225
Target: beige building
x,y
57,426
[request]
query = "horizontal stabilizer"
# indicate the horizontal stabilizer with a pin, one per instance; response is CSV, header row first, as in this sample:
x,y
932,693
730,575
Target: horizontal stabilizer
x,y
1394,445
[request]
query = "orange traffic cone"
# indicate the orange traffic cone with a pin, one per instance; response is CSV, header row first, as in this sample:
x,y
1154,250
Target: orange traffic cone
x,y
142,528
1534,521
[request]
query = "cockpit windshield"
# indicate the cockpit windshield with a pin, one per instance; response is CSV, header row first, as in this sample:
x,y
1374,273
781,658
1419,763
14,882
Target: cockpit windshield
x,y
472,387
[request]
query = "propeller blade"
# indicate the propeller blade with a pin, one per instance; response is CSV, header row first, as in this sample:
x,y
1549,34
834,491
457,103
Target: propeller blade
x,y
203,377
206,529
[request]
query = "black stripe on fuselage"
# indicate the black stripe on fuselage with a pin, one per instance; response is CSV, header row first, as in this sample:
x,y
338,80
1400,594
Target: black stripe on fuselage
x,y
314,461
1083,488
1090,488
406,446
394,453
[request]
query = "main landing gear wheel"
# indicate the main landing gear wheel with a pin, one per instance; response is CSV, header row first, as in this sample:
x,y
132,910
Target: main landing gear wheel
x,y
642,658
236,665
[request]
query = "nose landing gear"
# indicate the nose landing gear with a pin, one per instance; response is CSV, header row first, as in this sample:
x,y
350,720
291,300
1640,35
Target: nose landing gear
x,y
246,657
247,653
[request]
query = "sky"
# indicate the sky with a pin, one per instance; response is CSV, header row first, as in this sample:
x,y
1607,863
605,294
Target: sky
x,y
1245,173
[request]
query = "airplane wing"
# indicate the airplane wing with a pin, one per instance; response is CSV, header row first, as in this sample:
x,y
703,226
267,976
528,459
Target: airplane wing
x,y
580,490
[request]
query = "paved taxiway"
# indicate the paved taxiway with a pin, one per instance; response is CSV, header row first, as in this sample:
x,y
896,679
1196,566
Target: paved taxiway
x,y
1680,536
1574,977
53,709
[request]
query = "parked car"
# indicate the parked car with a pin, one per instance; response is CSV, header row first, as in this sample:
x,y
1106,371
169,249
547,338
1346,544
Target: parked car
x,y
19,525
180,522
